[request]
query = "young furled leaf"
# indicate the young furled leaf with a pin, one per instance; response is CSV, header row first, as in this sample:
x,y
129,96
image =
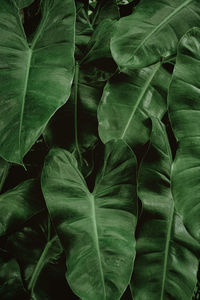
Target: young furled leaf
x,y
96,229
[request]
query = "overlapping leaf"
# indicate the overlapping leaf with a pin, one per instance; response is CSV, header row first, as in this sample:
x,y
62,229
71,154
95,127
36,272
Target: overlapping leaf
x,y
167,257
152,31
18,205
129,101
11,284
35,78
184,109
94,227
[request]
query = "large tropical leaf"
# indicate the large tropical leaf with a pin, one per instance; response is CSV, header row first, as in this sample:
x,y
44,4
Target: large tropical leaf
x,y
19,205
96,229
129,101
152,31
36,77
184,108
166,263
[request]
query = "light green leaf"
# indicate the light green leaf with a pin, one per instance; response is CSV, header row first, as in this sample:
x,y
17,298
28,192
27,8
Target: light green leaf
x,y
18,205
167,257
152,31
129,101
96,229
36,78
184,109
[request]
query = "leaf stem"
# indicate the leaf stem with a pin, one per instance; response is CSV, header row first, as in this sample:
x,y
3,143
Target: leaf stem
x,y
76,112
40,265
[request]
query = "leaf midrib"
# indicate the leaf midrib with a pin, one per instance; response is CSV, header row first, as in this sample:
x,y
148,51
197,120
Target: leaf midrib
x,y
26,79
141,95
96,240
162,23
167,245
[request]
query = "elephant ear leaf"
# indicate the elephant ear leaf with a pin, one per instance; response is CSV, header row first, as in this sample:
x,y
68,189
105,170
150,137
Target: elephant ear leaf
x,y
162,238
94,228
128,102
35,78
152,31
184,110
18,205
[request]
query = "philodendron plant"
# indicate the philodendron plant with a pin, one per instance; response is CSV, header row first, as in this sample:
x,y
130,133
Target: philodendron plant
x,y
99,149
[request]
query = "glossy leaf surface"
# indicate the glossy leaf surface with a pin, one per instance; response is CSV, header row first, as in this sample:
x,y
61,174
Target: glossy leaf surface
x,y
152,31
184,111
27,97
18,205
94,227
128,102
166,252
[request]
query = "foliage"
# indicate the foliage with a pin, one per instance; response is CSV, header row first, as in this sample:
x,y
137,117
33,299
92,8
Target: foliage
x,y
99,149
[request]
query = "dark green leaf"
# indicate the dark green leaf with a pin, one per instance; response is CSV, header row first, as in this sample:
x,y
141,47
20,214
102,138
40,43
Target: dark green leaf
x,y
19,205
129,101
4,167
152,31
11,285
96,229
36,78
105,10
184,108
166,263
41,260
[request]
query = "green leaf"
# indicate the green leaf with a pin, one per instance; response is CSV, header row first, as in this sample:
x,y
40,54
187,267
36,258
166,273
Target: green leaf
x,y
166,263
98,47
184,112
11,285
19,205
35,78
4,167
41,259
105,10
96,229
152,31
129,101
23,3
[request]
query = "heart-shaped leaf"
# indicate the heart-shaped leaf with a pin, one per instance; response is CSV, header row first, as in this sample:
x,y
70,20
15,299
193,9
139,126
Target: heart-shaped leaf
x,y
35,78
96,229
